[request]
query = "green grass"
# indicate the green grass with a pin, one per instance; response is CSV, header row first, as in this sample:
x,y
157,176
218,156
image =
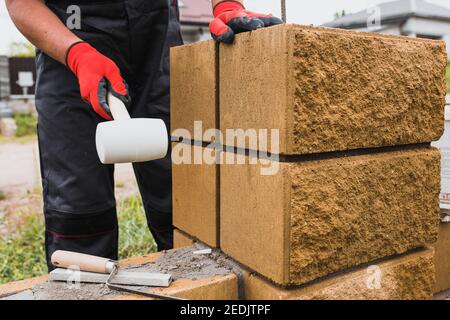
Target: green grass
x,y
22,253
134,237
26,124
2,195
448,78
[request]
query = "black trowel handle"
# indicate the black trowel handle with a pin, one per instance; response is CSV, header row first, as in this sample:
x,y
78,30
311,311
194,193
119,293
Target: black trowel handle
x,y
85,262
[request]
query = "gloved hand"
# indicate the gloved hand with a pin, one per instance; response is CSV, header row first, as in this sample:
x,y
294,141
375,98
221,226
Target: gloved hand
x,y
97,75
230,17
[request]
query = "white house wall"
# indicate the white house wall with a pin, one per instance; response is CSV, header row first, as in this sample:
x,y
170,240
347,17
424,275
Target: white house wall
x,y
427,27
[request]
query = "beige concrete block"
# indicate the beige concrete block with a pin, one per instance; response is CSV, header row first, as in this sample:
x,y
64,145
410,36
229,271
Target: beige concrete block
x,y
181,239
195,197
332,90
193,83
442,258
407,277
318,217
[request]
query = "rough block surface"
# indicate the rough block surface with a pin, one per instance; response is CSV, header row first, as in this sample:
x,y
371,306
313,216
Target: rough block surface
x,y
318,217
332,90
408,277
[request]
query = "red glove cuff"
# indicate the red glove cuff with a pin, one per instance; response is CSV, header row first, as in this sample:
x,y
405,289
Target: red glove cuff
x,y
226,6
76,50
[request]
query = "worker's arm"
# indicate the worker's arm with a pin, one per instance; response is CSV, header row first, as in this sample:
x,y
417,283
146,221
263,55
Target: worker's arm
x,y
41,27
93,70
231,17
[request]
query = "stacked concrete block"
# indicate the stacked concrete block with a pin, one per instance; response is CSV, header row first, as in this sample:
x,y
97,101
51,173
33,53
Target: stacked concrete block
x,y
407,277
442,259
195,193
181,239
194,88
314,218
194,97
355,181
331,90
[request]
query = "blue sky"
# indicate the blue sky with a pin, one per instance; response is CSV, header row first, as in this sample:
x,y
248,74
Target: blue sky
x,y
314,12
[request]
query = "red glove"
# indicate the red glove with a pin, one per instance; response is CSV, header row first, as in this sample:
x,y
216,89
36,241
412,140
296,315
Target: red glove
x,y
230,17
97,75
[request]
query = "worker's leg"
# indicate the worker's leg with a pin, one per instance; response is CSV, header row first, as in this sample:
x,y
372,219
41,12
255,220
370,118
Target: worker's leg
x,y
78,191
155,177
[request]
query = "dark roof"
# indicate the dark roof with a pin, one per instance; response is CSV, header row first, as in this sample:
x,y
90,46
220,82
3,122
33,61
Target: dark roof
x,y
195,12
394,11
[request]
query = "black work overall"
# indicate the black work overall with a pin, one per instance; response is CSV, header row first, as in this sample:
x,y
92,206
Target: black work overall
x,y
79,202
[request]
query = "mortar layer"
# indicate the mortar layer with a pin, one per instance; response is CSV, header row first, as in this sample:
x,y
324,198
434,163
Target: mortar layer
x,y
181,264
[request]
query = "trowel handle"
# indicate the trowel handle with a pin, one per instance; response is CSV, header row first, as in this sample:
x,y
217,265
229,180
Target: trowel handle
x,y
118,109
85,262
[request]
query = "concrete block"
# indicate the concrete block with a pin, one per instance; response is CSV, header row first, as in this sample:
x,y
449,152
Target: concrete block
x,y
317,217
181,240
442,258
195,192
193,83
8,127
24,295
16,287
333,90
213,288
407,277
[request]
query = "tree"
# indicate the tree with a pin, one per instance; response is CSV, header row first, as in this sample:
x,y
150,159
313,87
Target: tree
x,y
338,14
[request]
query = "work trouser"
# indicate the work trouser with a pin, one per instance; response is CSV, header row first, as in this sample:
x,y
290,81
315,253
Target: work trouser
x,y
78,191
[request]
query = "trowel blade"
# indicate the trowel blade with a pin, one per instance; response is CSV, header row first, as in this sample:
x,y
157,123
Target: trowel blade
x,y
122,277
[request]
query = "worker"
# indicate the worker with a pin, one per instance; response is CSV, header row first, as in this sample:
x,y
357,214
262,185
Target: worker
x,y
120,46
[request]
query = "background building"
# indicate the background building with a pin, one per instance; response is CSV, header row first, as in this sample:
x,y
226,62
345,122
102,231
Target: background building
x,y
416,18
195,16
